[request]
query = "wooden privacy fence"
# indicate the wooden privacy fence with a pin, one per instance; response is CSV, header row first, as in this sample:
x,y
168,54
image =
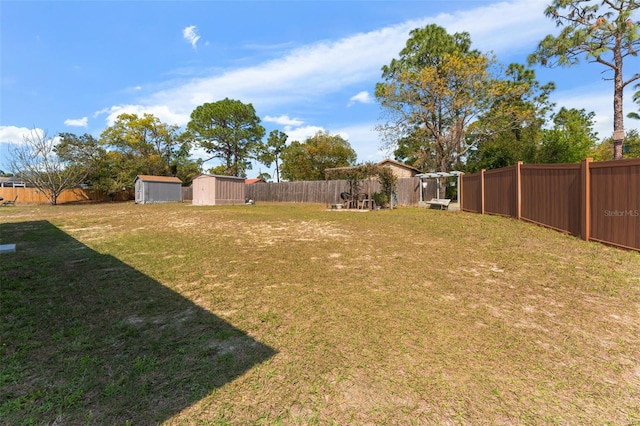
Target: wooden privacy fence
x,y
594,201
286,192
34,196
328,191
187,193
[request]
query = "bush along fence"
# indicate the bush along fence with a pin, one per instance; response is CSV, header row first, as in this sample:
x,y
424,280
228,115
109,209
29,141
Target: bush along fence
x,y
328,191
594,201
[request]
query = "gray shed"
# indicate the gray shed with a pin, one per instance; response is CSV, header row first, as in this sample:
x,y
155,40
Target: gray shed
x,y
211,190
158,189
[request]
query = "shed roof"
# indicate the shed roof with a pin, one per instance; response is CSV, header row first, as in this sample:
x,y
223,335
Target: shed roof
x,y
149,178
219,176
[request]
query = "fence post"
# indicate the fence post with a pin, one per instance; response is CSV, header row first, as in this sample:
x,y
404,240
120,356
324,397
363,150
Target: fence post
x,y
482,191
518,191
585,214
460,191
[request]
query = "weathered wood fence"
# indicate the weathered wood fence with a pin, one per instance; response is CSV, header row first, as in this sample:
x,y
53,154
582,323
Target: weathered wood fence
x,y
76,195
328,191
286,192
594,201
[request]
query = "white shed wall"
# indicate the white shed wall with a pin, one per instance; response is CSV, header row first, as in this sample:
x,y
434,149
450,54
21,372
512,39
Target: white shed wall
x,y
211,190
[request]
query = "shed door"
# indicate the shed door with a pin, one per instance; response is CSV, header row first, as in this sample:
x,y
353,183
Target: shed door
x,y
139,194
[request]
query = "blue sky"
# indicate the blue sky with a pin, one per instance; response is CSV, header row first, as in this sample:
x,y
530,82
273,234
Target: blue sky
x,y
73,66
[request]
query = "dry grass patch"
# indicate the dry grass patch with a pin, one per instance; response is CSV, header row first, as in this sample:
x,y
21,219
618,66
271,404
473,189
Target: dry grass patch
x,y
291,314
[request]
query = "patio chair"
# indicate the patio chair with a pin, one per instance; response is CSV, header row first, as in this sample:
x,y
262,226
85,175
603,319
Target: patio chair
x,y
362,200
347,199
9,202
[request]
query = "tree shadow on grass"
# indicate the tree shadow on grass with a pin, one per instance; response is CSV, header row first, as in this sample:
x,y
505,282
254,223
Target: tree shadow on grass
x,y
87,339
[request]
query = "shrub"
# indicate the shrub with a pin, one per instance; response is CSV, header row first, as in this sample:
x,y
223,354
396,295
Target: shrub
x,y
380,198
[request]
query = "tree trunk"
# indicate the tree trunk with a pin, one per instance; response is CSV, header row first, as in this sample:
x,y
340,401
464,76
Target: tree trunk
x,y
618,117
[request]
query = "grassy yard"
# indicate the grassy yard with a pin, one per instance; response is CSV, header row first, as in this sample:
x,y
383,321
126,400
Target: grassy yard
x,y
291,314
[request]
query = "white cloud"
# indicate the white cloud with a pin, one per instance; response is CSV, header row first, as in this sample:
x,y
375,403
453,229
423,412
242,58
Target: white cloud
x,y
301,77
191,36
76,122
283,120
503,26
599,102
362,97
301,134
364,139
302,74
163,112
16,135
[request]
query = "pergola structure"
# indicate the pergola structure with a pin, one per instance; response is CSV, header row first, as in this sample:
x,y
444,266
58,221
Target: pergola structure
x,y
437,176
354,174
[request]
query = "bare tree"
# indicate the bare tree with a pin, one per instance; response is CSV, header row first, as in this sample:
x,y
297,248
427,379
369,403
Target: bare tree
x,y
36,162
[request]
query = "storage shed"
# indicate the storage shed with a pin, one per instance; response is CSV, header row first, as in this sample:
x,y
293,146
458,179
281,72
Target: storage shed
x,y
211,190
158,189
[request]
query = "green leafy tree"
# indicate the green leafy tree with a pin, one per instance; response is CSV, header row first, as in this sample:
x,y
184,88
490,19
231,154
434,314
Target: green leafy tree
x,y
228,130
512,128
82,151
601,31
182,165
418,108
269,153
187,169
426,48
412,151
636,98
264,176
152,145
37,163
604,152
109,172
308,160
115,172
219,170
139,145
388,183
570,140
434,92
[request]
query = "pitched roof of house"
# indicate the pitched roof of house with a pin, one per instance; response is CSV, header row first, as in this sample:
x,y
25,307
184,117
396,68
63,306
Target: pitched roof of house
x,y
254,180
149,178
389,161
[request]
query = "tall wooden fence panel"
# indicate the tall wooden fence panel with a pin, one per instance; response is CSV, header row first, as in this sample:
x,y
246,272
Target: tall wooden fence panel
x,y
328,191
615,202
593,201
500,191
187,193
34,196
472,198
551,196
